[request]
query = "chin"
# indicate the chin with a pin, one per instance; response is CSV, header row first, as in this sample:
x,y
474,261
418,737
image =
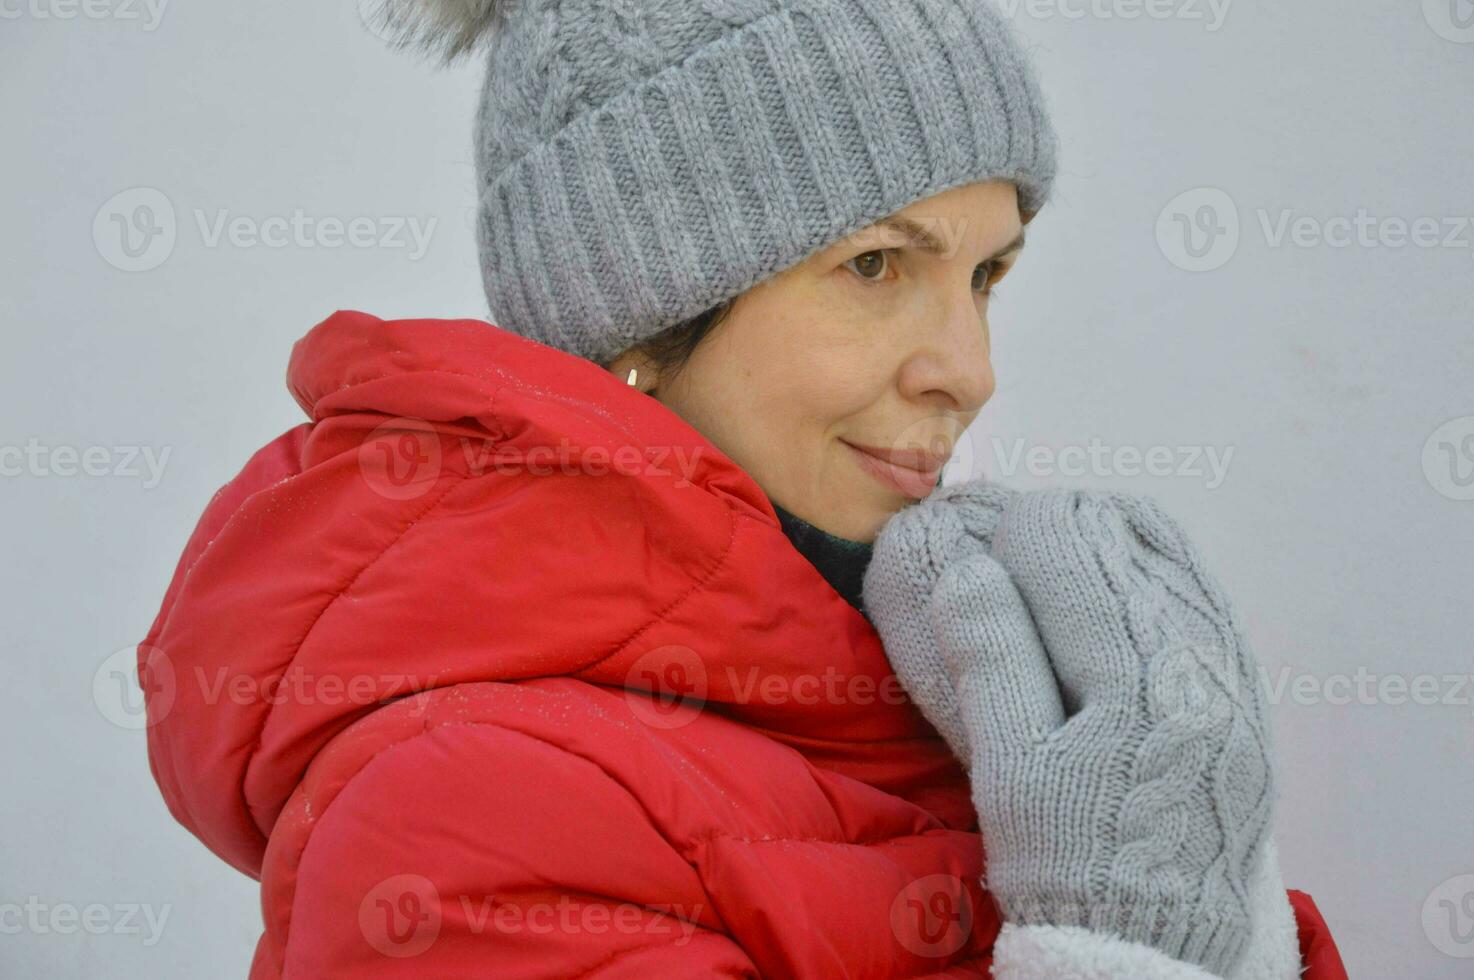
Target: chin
x,y
863,522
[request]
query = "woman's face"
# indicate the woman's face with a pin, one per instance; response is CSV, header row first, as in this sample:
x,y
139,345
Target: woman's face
x,y
879,342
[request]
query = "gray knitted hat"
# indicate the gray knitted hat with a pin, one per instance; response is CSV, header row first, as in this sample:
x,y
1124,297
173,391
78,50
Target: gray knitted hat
x,y
640,161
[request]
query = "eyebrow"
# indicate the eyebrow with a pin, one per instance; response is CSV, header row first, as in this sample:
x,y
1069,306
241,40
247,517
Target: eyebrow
x,y
923,238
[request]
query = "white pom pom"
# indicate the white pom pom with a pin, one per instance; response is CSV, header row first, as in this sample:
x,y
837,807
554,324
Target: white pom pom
x,y
450,27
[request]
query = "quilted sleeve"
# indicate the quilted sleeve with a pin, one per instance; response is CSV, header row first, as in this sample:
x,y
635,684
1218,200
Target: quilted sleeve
x,y
470,849
1318,952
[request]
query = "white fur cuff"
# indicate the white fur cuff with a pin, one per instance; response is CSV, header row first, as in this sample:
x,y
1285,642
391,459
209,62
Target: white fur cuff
x,y
1072,953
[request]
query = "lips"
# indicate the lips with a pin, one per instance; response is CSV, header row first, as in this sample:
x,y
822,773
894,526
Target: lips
x,y
911,472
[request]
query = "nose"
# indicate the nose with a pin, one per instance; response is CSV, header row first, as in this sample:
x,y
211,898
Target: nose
x,y
949,366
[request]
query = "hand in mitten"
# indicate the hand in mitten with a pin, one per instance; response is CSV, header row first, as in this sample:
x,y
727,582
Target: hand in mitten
x,y
1118,752
954,525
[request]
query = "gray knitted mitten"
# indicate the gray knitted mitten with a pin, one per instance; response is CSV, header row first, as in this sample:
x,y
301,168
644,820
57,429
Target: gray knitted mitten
x,y
1092,677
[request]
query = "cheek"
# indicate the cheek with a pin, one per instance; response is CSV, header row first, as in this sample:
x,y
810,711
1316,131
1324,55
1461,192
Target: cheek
x,y
798,352
748,389
843,385
844,349
800,357
824,371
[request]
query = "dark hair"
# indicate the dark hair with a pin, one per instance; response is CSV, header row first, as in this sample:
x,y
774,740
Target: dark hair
x,y
670,349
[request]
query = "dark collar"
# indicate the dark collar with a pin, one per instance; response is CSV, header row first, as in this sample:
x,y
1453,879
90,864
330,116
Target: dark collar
x,y
841,561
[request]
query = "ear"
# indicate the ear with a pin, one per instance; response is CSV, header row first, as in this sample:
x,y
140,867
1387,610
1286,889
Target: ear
x,y
646,374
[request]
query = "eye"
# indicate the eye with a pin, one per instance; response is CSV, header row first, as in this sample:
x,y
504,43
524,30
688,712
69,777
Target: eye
x,y
985,277
870,266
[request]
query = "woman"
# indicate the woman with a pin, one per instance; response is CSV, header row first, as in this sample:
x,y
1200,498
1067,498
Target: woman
x,y
545,648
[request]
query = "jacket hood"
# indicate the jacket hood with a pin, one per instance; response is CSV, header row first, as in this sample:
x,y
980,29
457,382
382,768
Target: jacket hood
x,y
467,505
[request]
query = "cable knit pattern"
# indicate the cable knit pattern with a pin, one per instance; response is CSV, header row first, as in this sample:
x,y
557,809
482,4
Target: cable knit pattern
x,y
639,161
1072,649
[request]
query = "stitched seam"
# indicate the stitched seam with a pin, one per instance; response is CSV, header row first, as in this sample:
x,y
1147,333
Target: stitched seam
x,y
504,379
699,585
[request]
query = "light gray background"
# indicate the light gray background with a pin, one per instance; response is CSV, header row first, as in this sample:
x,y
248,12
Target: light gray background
x,y
1324,370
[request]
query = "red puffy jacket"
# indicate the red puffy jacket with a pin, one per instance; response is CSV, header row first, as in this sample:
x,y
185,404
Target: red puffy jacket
x,y
498,668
